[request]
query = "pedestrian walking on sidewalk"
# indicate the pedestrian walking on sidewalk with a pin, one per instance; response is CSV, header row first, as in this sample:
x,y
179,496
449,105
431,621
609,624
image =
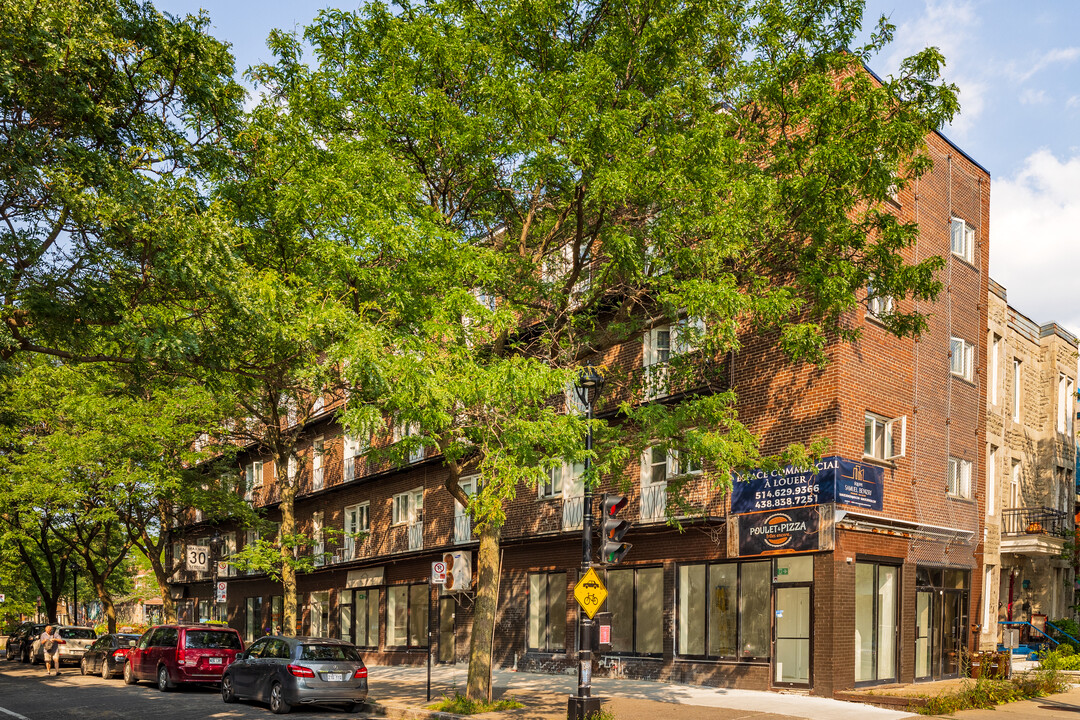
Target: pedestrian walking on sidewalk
x,y
50,650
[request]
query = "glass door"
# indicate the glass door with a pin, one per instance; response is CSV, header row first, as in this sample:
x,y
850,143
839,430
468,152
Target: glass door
x,y
791,660
923,640
446,629
952,619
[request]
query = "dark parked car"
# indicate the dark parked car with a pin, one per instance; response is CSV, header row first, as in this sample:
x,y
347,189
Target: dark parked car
x,y
107,655
20,641
173,654
287,671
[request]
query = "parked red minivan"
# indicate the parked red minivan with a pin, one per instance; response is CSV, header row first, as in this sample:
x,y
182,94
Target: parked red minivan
x,y
173,654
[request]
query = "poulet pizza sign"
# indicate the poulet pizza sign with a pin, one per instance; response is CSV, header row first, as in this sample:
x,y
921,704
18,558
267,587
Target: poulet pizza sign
x,y
775,533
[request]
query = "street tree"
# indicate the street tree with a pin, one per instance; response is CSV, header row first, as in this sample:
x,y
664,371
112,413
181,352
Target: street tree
x,y
112,115
722,166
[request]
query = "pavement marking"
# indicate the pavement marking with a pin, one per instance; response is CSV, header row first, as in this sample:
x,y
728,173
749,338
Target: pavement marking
x,y
13,714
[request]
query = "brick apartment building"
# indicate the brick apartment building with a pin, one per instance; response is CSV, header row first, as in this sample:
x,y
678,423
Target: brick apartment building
x,y
867,572
1030,461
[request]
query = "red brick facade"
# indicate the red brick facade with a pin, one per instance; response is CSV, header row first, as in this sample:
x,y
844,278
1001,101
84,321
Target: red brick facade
x,y
920,525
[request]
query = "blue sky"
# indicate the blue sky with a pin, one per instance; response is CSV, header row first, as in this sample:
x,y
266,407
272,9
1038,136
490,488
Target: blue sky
x,y
1017,65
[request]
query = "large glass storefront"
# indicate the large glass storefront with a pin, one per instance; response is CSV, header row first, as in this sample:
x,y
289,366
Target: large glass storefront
x,y
941,621
877,595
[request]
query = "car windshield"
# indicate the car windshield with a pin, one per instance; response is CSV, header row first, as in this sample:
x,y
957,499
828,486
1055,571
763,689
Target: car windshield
x,y
212,639
77,633
329,652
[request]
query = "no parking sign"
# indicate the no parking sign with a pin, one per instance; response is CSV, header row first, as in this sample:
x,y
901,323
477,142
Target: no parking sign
x,y
438,573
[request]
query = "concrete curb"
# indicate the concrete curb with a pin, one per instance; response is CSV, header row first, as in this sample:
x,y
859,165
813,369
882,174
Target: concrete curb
x,y
407,712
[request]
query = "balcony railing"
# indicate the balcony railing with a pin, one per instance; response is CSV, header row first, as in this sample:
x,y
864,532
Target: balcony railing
x,y
573,511
462,529
1034,521
350,469
686,373
653,502
416,536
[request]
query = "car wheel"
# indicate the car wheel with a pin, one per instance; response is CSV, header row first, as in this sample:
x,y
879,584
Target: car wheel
x,y
82,667
105,672
227,694
164,684
277,700
129,674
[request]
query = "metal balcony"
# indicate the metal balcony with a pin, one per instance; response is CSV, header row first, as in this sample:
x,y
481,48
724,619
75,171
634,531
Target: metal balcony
x,y
1035,521
653,502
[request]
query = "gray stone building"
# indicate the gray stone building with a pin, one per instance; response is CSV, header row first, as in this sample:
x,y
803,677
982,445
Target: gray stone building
x,y
1030,462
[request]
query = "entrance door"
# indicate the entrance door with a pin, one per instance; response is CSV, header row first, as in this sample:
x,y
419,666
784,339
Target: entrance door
x,y
446,629
791,660
940,621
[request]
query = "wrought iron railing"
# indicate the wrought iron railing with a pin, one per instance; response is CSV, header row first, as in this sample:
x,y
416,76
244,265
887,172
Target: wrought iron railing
x,y
1035,521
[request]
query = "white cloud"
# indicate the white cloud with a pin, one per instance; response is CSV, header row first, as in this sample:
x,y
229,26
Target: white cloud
x,y
1034,253
1072,102
1033,97
1052,57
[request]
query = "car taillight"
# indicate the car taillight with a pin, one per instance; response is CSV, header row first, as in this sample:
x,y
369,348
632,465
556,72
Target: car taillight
x,y
181,658
360,673
121,653
301,671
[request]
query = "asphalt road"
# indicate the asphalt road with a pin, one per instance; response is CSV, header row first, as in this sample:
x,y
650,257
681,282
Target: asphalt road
x,y
26,693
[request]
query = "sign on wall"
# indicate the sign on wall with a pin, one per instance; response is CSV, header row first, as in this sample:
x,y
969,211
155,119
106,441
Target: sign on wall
x,y
833,479
778,532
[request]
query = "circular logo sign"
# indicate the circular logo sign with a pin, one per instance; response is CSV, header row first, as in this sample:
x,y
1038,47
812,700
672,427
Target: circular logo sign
x,y
780,537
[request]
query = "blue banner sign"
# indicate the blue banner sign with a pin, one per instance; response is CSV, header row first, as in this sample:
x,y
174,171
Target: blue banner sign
x,y
833,479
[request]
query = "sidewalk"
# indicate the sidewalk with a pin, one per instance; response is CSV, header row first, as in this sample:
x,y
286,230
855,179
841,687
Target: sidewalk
x,y
544,696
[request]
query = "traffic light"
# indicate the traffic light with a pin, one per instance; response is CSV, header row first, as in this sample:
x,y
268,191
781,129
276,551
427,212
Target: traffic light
x,y
612,548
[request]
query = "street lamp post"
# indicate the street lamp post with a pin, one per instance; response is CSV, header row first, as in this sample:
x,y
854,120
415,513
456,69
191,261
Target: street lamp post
x,y
583,705
216,544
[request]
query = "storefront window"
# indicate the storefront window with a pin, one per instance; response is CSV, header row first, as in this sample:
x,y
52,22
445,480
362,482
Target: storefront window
x,y
253,619
547,612
407,616
876,598
723,610
635,600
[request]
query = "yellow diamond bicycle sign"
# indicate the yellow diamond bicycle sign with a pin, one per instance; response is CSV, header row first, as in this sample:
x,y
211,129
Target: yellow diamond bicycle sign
x,y
590,593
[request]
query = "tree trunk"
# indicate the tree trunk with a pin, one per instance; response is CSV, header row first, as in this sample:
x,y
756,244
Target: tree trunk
x,y
50,603
106,604
487,599
168,607
288,552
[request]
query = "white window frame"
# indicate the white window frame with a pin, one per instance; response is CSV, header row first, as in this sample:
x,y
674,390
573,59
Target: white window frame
x,y
1017,371
564,480
318,545
995,368
551,486
892,429
318,455
961,358
991,481
958,478
357,518
253,479
403,430
407,507
1065,402
962,239
1016,497
669,461
877,305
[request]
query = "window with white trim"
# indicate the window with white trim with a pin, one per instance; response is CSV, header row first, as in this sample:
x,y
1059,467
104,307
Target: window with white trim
x,y
357,520
884,438
658,464
962,239
1014,485
1065,402
991,480
661,344
961,358
253,479
877,304
318,453
404,430
563,480
1016,390
318,546
995,368
959,477
408,507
